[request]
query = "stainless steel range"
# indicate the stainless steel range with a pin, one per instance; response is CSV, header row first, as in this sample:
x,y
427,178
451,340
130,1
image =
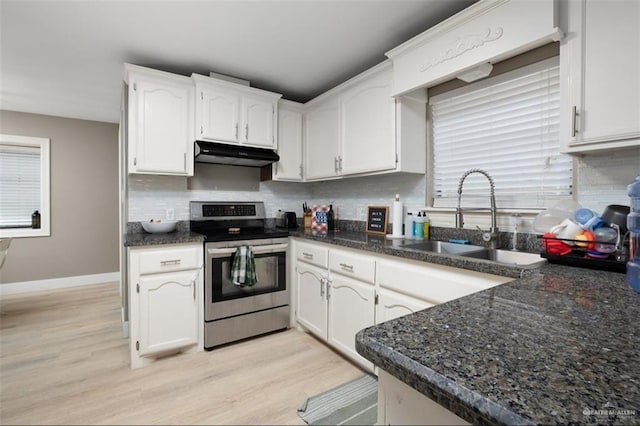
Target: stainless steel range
x,y
232,312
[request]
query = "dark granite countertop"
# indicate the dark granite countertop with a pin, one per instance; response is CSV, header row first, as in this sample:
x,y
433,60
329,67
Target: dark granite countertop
x,y
382,245
558,345
140,239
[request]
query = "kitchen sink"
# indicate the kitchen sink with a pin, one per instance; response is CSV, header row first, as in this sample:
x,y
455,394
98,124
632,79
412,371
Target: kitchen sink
x,y
443,247
506,256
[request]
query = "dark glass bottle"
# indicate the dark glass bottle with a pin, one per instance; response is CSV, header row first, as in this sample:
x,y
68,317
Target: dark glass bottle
x,y
35,220
331,223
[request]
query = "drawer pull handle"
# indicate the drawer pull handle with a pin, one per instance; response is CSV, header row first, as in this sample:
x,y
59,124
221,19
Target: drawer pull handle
x,y
345,266
170,262
307,255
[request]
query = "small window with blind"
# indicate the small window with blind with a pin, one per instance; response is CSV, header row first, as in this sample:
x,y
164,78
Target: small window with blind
x,y
507,125
24,186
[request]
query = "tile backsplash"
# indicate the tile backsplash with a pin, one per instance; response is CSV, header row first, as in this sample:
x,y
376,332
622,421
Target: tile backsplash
x,y
601,179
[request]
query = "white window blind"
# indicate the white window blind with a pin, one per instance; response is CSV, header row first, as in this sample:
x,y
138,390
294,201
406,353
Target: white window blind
x,y
509,126
19,185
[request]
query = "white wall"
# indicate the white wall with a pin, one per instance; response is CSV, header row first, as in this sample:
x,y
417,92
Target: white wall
x,y
601,179
151,195
84,201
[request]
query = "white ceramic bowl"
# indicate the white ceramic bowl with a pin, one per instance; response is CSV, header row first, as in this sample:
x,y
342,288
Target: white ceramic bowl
x,y
159,227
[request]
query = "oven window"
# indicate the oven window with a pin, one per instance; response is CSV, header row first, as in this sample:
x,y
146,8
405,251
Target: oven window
x,y
270,269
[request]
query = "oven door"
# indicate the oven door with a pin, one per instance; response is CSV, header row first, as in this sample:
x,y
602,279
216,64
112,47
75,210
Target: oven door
x,y
224,299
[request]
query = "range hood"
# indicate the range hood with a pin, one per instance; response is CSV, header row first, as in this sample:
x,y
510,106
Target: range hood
x,y
234,155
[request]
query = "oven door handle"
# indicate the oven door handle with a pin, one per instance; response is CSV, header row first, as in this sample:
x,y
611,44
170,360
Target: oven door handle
x,y
271,248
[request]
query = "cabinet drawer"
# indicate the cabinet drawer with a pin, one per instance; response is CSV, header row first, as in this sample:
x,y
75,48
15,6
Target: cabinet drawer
x,y
160,260
316,255
352,265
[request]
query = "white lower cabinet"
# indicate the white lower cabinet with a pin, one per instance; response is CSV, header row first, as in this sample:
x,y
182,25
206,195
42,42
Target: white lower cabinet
x,y
165,299
168,312
400,404
351,308
330,305
341,291
311,301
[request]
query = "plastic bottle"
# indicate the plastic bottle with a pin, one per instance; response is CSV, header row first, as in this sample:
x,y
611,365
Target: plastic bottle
x,y
35,220
633,224
418,227
425,226
408,225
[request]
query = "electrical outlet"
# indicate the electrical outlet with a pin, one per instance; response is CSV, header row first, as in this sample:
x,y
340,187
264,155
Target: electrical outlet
x,y
169,214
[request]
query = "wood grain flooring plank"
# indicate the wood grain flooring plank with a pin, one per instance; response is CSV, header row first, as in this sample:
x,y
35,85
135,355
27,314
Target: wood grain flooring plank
x,y
63,361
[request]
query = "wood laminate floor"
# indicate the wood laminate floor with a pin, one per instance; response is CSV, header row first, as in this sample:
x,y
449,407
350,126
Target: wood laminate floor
x,y
63,361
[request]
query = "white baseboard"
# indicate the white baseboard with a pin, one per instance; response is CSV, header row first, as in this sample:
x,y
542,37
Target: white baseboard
x,y
57,283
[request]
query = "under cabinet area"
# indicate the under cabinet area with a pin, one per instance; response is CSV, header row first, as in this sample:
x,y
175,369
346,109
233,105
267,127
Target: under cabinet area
x,y
233,113
159,126
165,300
600,76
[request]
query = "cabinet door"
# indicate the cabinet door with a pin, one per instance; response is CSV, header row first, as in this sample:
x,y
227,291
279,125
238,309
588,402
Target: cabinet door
x,y
160,127
393,305
322,140
351,308
602,71
289,167
219,114
311,308
168,312
258,121
367,125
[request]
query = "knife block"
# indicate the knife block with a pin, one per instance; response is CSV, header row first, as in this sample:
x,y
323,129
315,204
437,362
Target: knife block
x,y
307,220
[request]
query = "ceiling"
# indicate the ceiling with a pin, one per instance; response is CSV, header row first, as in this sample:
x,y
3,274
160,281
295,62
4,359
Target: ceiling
x,y
64,58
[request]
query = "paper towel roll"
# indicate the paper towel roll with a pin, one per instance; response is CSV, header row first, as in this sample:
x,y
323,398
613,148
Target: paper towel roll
x,y
397,218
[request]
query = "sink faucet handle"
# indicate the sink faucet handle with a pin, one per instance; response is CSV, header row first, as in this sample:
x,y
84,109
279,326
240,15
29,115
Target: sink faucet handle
x,y
486,235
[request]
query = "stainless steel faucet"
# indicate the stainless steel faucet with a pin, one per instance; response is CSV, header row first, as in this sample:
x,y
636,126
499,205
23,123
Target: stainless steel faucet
x,y
492,235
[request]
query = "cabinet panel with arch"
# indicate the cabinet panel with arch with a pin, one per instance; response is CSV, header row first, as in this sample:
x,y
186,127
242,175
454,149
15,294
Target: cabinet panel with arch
x,y
351,308
165,299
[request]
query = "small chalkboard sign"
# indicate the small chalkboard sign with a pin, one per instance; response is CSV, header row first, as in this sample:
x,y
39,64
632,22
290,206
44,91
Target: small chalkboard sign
x,y
377,219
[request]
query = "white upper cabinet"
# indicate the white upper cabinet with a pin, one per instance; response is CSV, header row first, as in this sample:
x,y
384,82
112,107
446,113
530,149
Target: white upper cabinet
x,y
232,113
600,75
259,119
289,168
218,112
159,122
322,139
367,131
358,128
